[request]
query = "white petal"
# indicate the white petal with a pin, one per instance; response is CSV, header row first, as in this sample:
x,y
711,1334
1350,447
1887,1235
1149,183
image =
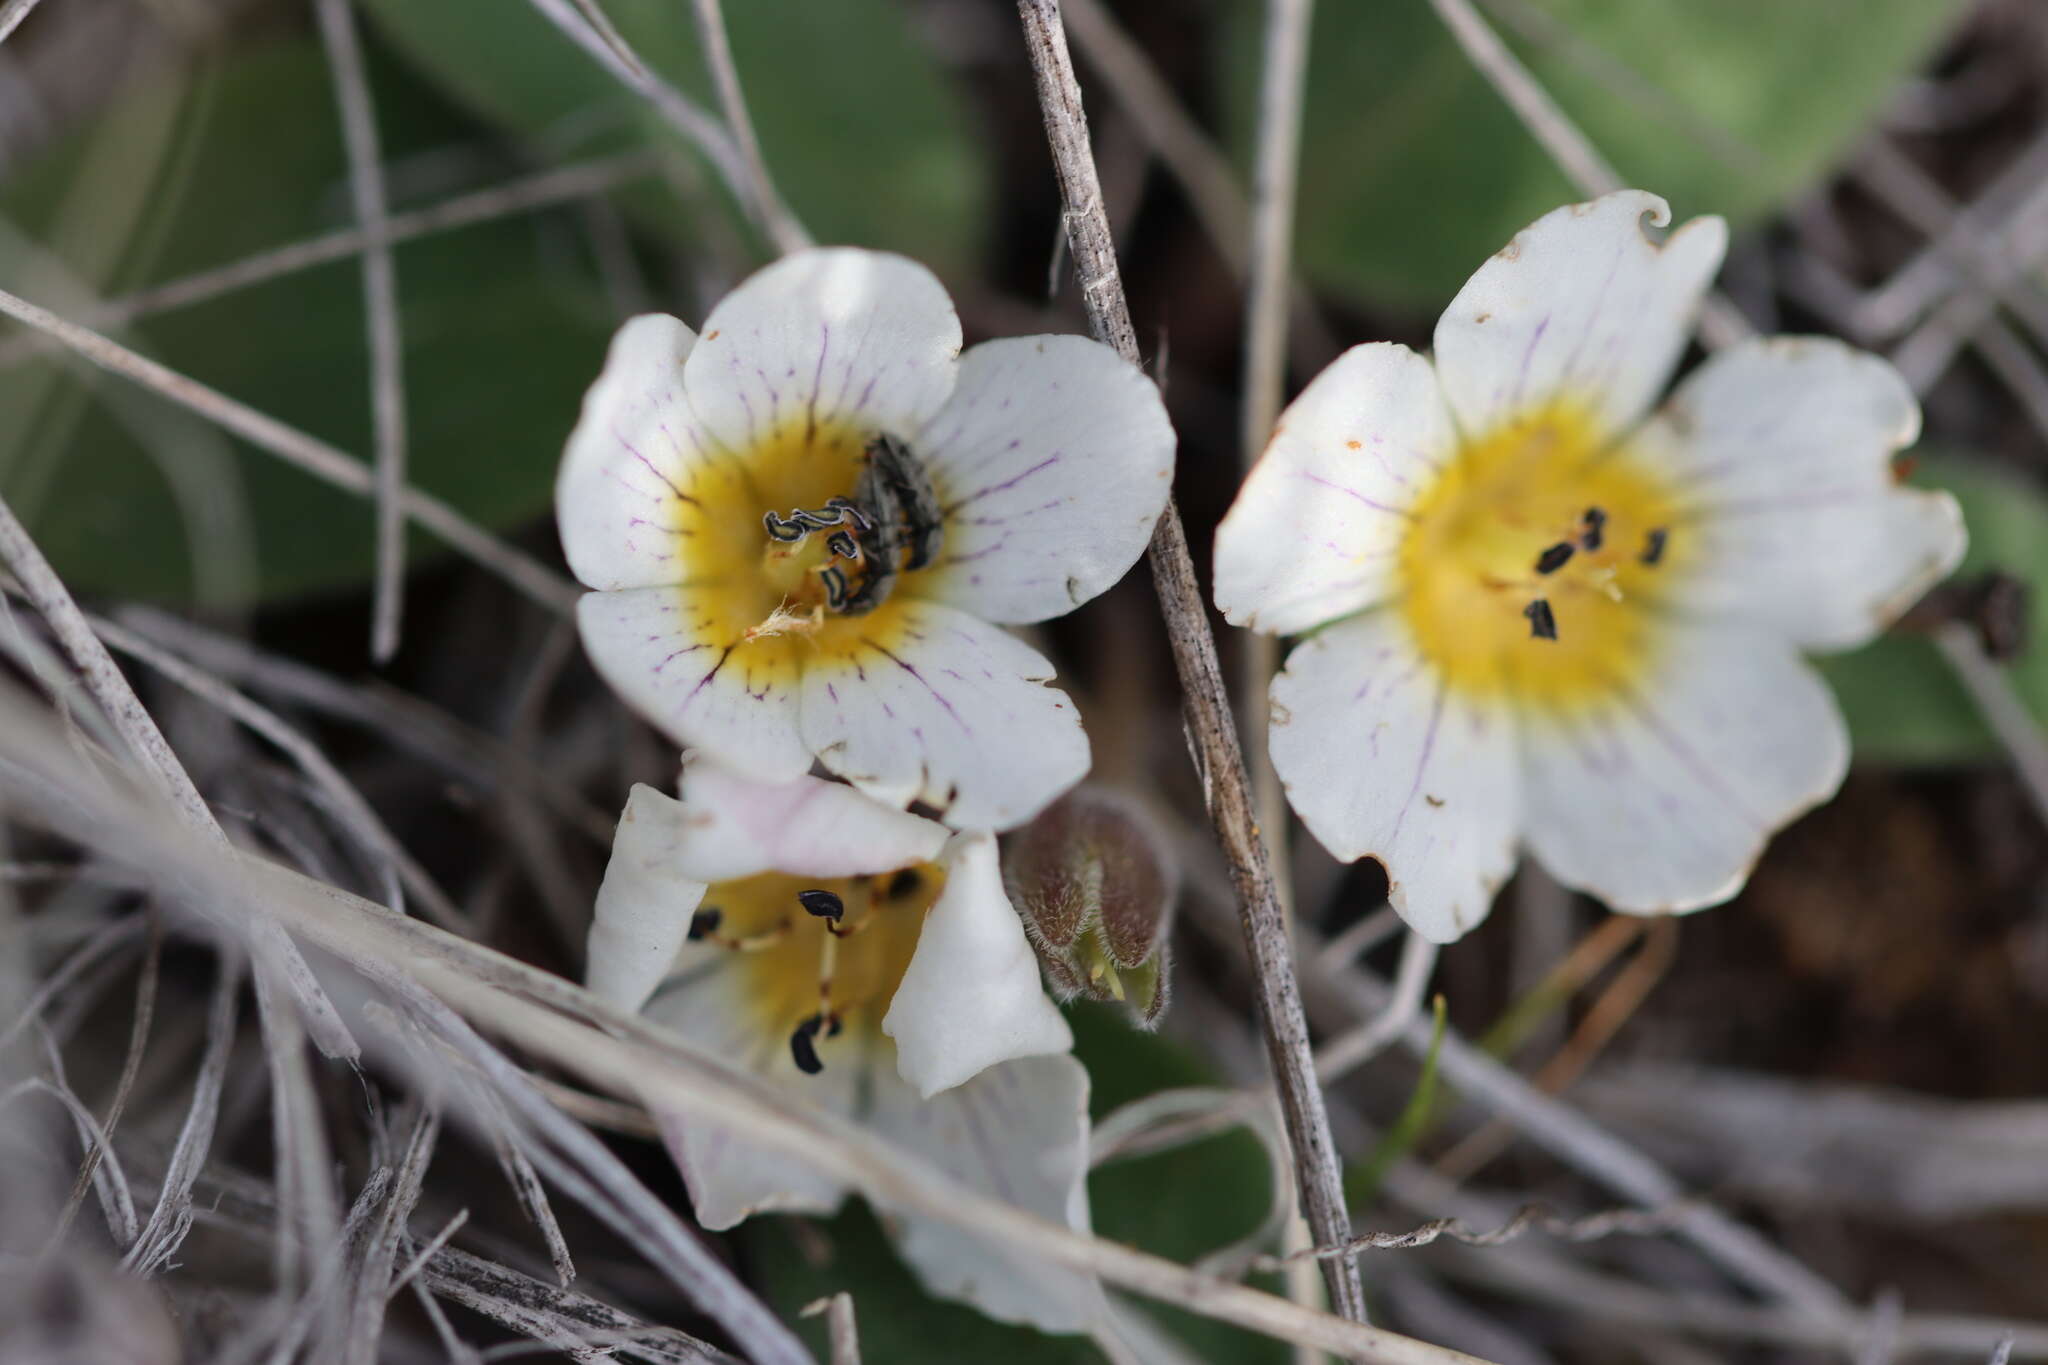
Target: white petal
x,y
824,337
1382,761
736,703
949,710
1052,461
1315,530
1579,306
1663,800
732,826
1783,449
970,997
729,1176
625,476
1019,1132
645,903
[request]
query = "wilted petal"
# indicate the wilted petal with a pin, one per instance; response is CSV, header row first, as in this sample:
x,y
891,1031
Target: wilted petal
x,y
622,494
934,705
1581,307
831,337
1018,1132
1052,461
676,664
645,903
733,826
1662,799
1316,529
1383,761
1793,520
971,996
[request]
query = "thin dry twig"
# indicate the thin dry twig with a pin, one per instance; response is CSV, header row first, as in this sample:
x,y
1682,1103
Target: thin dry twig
x,y
138,729
1529,1218
1579,1142
768,205
380,308
1276,168
1545,119
1213,736
620,1053
841,1334
308,453
1348,1051
566,184
11,15
131,1064
2001,706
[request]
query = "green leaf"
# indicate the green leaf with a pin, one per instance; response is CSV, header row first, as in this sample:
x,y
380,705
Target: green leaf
x,y
1903,703
869,141
504,326
1414,171
794,1262
1181,1203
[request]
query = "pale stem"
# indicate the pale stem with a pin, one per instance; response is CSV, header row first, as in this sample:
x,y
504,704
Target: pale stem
x,y
2001,707
620,1053
1275,174
768,205
295,447
11,15
1220,763
380,308
570,183
841,1334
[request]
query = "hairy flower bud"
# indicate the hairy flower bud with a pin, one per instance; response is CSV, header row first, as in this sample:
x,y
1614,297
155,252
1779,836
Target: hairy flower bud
x,y
1095,886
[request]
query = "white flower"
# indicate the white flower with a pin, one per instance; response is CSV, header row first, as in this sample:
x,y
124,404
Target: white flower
x,y
1546,616
862,957
801,524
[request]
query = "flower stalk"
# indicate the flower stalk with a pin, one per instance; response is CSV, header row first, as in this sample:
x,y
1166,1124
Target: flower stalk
x,y
1219,759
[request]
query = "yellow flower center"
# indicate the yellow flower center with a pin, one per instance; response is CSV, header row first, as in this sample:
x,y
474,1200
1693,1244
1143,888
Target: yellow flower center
x,y
822,957
801,543
1529,563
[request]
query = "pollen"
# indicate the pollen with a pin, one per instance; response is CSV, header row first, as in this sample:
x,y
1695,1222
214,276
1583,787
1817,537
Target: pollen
x,y
812,976
1523,573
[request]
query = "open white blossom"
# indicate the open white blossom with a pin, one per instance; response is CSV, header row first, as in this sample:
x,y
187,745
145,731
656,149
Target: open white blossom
x,y
1545,616
802,523
868,960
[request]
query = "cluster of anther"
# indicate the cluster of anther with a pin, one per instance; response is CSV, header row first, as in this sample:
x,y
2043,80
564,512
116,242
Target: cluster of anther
x,y
892,524
821,904
1589,537
843,544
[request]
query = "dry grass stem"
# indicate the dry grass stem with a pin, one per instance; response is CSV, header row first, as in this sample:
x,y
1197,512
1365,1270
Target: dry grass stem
x,y
308,453
842,1336
1218,759
381,317
764,200
546,189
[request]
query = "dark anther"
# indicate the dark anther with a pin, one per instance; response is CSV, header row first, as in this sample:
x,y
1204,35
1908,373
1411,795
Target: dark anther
x,y
823,904
1554,558
1542,625
843,544
1653,546
705,921
833,1025
803,1045
850,512
1591,526
834,580
788,532
904,883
